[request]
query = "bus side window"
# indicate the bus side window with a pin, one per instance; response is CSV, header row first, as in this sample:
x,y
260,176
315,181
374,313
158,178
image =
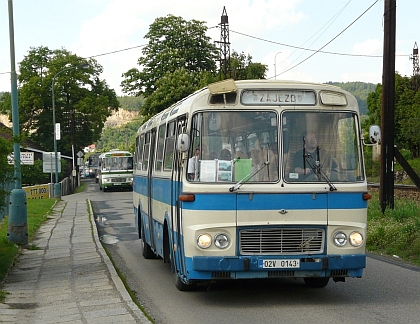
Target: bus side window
x,y
146,150
169,146
160,147
140,153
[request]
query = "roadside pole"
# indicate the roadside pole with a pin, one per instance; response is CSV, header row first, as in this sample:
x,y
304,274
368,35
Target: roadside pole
x,y
17,230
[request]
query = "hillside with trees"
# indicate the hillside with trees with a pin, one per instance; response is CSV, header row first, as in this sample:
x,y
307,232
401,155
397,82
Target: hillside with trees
x,y
360,90
131,103
121,137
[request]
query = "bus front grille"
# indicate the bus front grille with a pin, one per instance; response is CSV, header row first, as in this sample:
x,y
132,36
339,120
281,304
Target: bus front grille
x,y
281,274
221,275
281,241
339,273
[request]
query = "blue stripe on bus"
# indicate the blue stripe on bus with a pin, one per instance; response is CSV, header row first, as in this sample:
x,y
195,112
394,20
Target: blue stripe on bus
x,y
272,201
161,189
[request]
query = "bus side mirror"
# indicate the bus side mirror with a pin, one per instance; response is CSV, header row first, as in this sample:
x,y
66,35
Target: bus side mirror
x,y
183,142
375,134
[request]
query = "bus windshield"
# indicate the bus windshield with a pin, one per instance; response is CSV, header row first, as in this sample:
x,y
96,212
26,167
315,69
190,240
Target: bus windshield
x,y
243,146
229,146
120,163
321,146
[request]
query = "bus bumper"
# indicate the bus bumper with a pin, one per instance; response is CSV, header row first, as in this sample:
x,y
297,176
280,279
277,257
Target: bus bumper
x,y
251,267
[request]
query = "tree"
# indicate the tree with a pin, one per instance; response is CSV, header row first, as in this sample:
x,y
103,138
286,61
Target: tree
x,y
178,60
173,87
82,100
33,174
6,170
244,69
406,113
175,46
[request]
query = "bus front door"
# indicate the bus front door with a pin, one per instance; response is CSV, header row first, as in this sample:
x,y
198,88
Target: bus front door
x,y
177,254
150,194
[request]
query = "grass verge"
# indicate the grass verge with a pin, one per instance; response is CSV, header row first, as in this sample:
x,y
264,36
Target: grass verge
x,y
397,231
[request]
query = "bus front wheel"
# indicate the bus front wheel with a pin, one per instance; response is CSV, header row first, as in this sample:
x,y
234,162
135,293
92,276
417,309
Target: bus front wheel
x,y
146,250
316,282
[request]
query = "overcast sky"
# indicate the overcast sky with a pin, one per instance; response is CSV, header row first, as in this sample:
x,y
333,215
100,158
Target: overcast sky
x,y
283,34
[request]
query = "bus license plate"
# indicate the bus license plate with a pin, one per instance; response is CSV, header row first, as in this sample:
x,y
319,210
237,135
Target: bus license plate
x,y
279,264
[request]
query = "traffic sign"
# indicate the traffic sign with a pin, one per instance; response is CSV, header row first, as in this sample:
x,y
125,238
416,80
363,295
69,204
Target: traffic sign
x,y
48,159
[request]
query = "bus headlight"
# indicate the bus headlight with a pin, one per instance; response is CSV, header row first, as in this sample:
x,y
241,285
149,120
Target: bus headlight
x,y
204,241
221,241
340,239
356,239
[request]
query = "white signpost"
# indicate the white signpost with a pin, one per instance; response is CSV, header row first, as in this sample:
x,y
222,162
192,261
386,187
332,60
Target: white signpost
x,y
26,158
48,159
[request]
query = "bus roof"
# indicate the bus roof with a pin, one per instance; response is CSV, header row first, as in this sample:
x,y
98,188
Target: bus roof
x,y
331,96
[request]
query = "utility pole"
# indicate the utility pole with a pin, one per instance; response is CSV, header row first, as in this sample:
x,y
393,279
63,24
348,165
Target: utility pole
x,y
386,191
224,45
73,148
17,228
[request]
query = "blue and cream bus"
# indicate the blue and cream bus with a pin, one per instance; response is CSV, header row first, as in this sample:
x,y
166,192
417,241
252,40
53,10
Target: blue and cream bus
x,y
229,183
115,170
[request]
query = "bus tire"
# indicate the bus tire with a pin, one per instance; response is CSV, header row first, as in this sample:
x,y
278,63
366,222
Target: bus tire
x,y
182,286
316,282
146,250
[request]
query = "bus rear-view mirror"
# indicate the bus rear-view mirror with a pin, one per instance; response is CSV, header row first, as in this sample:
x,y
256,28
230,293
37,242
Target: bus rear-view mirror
x,y
375,134
183,142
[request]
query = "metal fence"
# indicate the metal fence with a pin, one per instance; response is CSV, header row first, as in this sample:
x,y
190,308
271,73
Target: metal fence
x,y
67,188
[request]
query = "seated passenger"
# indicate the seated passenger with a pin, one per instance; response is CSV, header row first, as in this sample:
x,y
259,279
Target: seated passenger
x,y
225,155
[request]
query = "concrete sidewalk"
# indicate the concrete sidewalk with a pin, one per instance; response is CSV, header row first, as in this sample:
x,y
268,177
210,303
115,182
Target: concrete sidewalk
x,y
70,279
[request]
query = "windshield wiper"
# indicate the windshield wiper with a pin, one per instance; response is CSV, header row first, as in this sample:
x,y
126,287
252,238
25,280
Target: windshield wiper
x,y
248,177
318,171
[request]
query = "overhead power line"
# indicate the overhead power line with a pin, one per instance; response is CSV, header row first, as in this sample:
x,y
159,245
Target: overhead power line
x,y
117,51
329,42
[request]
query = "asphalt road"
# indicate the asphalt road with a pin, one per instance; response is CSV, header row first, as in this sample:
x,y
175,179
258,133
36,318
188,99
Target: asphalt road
x,y
389,291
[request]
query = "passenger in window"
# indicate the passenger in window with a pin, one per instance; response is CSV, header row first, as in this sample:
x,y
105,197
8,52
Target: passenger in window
x,y
225,155
193,165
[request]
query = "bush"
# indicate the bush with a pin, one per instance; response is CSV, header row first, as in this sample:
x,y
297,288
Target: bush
x,y
397,232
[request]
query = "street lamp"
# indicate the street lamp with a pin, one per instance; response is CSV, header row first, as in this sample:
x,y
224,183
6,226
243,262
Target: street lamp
x,y
57,186
275,72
